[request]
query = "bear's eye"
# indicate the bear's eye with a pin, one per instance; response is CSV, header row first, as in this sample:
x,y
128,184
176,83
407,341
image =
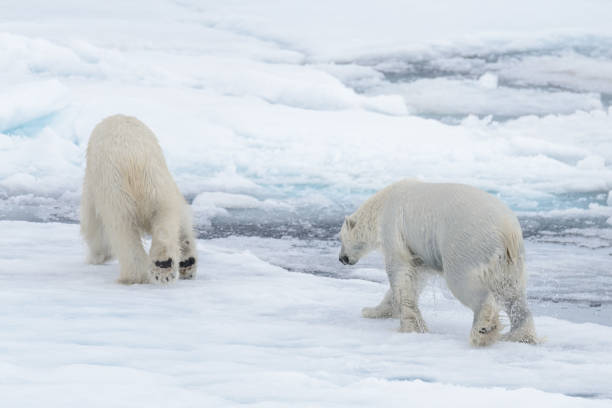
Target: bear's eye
x,y
359,246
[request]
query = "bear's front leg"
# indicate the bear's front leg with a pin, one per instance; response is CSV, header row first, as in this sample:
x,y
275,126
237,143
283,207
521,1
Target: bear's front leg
x,y
405,290
410,315
383,310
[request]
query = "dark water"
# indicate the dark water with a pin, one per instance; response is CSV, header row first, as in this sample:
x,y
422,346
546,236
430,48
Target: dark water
x,y
569,260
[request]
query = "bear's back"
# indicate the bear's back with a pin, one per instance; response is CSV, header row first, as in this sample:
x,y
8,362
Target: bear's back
x,y
447,218
123,154
119,136
451,202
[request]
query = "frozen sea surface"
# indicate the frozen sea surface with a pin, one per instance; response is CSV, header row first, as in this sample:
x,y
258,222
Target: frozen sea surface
x,y
305,121
246,332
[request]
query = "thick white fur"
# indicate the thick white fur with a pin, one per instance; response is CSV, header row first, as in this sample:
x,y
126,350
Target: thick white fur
x,y
128,192
468,236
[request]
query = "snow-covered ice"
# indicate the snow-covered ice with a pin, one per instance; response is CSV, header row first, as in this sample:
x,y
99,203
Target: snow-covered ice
x,y
247,332
257,101
277,119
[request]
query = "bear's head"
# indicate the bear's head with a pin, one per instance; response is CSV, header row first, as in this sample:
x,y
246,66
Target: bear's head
x,y
354,242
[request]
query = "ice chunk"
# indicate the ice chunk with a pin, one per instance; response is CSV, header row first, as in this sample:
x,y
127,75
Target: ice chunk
x,y
592,162
24,103
488,80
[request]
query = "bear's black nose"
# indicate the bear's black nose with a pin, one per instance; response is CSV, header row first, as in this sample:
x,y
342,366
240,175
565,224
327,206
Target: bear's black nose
x,y
344,259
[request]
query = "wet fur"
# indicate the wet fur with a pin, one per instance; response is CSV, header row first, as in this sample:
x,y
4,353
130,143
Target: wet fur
x,y
468,236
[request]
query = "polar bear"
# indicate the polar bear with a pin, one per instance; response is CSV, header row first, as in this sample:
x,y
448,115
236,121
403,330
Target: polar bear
x,y
468,236
127,192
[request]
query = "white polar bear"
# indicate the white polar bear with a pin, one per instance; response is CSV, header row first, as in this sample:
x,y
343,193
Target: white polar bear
x,y
468,236
127,192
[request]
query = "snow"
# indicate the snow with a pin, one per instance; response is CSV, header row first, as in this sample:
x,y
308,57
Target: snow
x,y
208,205
246,332
442,96
347,28
489,80
26,102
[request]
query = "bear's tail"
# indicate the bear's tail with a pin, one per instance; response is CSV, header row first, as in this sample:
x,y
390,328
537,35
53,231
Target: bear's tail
x,y
512,239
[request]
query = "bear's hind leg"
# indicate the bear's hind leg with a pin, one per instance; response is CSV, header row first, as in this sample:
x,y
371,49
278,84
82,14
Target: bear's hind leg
x,y
470,289
164,253
93,232
522,327
383,310
486,326
189,254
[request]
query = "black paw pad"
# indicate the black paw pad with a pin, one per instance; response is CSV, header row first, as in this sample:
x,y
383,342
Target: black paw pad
x,y
164,264
485,330
187,263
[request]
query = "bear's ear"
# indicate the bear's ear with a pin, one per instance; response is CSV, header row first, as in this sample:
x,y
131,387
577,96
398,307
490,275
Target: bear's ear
x,y
350,224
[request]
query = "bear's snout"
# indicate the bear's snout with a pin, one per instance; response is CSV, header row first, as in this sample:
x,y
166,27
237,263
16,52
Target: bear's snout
x,y
344,259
